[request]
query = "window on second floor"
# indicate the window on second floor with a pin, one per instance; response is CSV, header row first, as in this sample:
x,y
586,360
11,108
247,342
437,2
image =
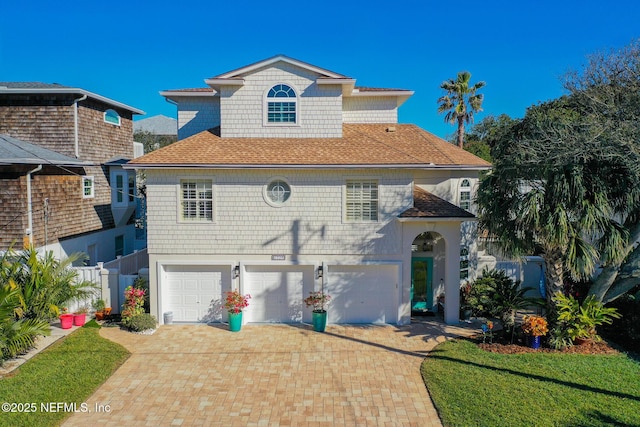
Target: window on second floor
x,y
196,199
88,187
361,200
465,194
282,105
125,187
112,116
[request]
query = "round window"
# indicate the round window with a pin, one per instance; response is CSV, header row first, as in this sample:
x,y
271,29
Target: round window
x,y
278,192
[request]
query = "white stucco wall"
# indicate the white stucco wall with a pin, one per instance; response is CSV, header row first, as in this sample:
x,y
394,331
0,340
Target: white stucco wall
x,y
370,109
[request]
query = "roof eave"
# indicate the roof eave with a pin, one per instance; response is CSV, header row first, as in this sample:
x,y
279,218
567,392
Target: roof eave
x,y
277,58
438,219
134,165
71,90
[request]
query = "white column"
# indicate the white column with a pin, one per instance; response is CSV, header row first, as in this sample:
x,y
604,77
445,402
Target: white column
x,y
452,275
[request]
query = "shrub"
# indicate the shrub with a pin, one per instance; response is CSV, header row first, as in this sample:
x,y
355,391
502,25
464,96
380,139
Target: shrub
x,y
496,294
133,304
580,321
141,322
318,300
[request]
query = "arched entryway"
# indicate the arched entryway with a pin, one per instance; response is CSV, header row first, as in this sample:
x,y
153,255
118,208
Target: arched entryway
x,y
427,272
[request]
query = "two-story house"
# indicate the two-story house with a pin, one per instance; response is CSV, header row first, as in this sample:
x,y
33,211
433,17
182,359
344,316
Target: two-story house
x,y
62,185
288,178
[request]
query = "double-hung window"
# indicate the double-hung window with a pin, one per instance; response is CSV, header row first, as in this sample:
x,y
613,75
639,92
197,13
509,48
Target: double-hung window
x,y
465,194
88,186
361,200
281,105
197,200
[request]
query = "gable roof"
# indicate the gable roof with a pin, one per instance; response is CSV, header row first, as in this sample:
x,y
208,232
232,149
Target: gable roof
x,y
427,205
17,152
325,77
361,146
11,88
247,69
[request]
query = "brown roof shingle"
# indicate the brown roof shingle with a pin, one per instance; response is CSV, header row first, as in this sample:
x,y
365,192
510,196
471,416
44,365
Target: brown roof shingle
x,y
426,205
361,145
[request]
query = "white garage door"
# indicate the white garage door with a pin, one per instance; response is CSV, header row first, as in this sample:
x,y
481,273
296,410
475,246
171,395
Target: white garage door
x,y
363,293
194,293
276,293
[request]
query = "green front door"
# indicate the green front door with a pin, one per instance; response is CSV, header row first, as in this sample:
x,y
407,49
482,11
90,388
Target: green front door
x,y
421,284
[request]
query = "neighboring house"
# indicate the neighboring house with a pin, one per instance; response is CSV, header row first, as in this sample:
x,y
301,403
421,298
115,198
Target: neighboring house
x,y
288,178
158,125
62,185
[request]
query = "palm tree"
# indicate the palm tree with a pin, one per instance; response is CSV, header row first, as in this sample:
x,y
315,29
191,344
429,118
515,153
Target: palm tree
x,y
460,102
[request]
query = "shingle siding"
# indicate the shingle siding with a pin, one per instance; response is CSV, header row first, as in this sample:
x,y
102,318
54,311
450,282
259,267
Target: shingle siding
x,y
311,222
370,109
319,109
50,123
197,114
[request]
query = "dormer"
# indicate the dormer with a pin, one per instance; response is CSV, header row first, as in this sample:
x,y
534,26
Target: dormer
x,y
123,190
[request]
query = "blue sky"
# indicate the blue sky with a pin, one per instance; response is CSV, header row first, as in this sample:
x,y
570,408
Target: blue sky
x,y
129,51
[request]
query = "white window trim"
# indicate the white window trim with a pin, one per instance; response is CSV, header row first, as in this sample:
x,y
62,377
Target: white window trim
x,y
93,187
179,213
344,199
104,117
265,107
464,258
461,190
265,193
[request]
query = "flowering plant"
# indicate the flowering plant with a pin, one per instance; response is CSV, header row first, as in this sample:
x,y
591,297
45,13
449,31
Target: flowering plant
x,y
64,310
134,303
235,301
534,325
318,300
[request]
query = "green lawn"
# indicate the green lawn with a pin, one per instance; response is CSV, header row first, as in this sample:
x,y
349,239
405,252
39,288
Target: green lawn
x,y
69,371
471,387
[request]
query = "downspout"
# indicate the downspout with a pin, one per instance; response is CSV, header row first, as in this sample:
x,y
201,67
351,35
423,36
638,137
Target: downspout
x,y
75,125
30,204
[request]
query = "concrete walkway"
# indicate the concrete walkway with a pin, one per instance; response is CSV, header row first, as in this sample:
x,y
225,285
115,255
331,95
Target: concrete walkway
x,y
271,375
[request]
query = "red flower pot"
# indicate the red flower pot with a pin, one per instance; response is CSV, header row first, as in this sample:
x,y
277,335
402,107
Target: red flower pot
x,y
79,319
66,321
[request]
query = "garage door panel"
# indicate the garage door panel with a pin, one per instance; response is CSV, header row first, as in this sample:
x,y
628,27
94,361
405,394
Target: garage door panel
x,y
276,293
363,293
194,293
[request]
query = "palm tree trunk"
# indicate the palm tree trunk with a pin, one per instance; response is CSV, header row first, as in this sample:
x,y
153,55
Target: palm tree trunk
x,y
461,132
554,274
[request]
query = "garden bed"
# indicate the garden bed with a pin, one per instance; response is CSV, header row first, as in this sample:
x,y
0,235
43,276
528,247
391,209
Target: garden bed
x,y
587,348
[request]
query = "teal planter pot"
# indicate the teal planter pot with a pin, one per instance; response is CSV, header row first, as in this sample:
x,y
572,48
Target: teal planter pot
x,y
235,321
319,320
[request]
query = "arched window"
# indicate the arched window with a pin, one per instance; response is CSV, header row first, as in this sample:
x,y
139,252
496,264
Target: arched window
x,y
112,116
465,194
281,104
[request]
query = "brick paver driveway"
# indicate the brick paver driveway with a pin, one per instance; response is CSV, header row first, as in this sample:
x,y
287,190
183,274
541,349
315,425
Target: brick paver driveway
x,y
270,375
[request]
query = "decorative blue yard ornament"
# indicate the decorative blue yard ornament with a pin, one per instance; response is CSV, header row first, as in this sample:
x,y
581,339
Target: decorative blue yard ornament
x,y
541,285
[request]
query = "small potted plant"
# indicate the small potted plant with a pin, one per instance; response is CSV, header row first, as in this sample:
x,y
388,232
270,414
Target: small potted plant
x,y
234,303
319,301
80,316
99,306
580,320
66,318
534,327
